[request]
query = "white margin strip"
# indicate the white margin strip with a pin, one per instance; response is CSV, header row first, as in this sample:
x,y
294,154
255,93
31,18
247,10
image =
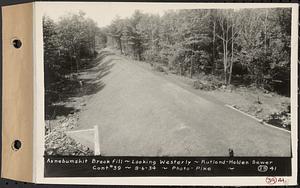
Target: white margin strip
x,y
259,120
80,130
96,140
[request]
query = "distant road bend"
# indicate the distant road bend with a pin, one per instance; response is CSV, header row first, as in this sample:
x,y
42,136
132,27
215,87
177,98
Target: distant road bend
x,y
139,113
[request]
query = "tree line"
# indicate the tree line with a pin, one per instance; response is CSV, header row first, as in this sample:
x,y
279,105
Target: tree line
x,y
239,46
69,44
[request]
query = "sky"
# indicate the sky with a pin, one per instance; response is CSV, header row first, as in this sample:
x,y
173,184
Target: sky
x,y
104,12
101,13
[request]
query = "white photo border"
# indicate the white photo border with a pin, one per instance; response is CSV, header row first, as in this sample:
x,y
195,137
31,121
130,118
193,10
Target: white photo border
x,y
39,125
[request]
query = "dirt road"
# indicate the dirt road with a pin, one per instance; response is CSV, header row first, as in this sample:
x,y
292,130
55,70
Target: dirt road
x,y
139,113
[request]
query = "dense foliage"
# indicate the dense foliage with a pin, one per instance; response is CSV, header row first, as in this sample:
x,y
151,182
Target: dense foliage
x,y
236,46
240,46
67,43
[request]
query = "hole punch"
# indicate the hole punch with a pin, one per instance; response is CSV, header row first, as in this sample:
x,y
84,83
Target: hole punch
x,y
16,145
17,43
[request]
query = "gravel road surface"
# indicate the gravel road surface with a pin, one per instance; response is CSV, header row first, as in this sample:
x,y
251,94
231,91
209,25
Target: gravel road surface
x,y
140,113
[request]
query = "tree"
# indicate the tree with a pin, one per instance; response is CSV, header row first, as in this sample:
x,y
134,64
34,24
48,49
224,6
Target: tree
x,y
228,32
51,60
252,45
77,37
116,32
66,42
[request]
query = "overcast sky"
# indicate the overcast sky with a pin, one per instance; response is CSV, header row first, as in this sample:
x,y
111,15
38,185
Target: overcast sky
x,y
102,13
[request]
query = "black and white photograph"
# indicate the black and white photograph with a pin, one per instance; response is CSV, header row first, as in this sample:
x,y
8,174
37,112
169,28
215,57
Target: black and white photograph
x,y
142,81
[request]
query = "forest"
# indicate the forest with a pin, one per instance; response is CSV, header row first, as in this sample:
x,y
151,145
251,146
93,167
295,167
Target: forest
x,y
237,46
229,48
69,47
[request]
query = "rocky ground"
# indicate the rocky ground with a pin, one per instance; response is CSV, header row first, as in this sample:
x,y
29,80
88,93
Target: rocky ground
x,y
58,143
56,140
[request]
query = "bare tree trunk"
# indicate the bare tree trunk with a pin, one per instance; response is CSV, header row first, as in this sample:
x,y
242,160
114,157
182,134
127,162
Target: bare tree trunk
x,y
265,24
213,50
120,45
226,62
180,70
231,61
77,64
191,69
225,39
94,43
